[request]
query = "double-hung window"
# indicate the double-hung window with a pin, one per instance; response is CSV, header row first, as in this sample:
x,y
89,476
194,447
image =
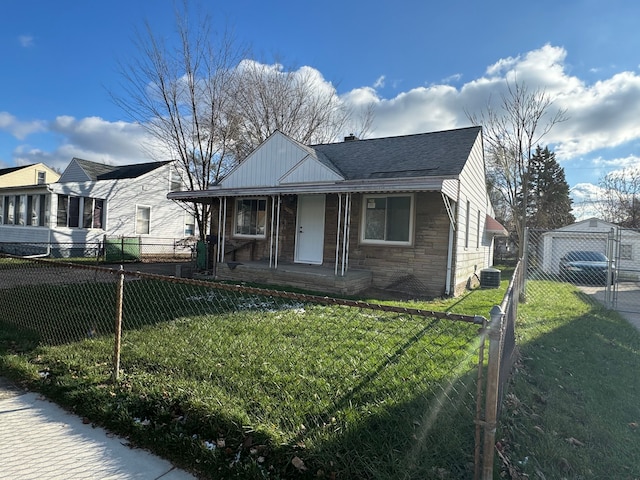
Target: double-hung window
x,y
387,219
251,217
143,220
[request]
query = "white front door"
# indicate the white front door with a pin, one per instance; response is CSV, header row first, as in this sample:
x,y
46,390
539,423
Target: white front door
x,y
310,229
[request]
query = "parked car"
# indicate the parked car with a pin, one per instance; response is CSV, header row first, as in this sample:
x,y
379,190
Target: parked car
x,y
585,267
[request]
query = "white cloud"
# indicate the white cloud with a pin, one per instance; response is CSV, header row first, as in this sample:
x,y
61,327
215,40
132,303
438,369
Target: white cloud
x,y
379,83
26,41
19,129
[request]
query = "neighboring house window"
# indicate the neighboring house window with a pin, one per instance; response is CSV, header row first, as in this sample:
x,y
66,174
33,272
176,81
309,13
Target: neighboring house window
x,y
387,219
175,185
82,212
92,212
20,210
2,210
478,230
143,220
42,178
626,252
467,224
74,212
61,213
36,210
251,217
189,224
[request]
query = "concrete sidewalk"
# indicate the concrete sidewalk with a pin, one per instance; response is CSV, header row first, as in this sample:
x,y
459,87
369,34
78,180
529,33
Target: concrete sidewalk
x,y
39,440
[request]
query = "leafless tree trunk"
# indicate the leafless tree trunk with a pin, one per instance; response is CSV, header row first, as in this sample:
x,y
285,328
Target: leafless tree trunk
x,y
179,95
511,132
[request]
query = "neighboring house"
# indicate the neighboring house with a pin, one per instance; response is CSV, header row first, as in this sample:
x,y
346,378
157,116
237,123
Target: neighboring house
x,y
593,234
90,201
35,174
406,214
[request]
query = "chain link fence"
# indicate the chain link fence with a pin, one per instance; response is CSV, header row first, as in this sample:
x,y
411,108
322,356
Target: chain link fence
x,y
110,249
603,264
237,378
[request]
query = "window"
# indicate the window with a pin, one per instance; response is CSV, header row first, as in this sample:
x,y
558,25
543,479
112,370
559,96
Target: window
x,y
175,185
626,252
2,216
251,217
189,224
61,213
42,178
387,219
36,205
74,212
143,220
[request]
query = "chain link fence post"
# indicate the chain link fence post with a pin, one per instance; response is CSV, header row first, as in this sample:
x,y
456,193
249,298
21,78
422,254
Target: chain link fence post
x,y
118,325
493,381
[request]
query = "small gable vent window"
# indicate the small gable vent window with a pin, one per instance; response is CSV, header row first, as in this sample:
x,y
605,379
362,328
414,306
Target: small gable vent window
x,y
42,178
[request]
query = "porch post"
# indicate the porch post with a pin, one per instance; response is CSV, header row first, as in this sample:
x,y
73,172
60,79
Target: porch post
x,y
277,231
224,229
218,250
273,209
345,237
338,232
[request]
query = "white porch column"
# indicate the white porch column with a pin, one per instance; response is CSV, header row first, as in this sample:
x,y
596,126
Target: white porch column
x,y
345,235
277,230
338,233
224,228
271,232
219,229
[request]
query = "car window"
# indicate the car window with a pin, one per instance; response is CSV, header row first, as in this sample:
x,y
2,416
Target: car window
x,y
586,257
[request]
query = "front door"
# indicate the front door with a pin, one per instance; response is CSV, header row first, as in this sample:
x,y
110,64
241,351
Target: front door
x,y
310,229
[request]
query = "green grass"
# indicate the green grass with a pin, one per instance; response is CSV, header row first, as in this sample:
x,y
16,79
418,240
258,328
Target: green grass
x,y
354,394
572,411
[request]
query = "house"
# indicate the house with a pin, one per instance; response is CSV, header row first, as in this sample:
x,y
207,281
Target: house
x,y
91,201
592,234
407,215
34,174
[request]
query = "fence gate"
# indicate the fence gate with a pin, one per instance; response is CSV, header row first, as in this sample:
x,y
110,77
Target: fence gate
x,y
625,291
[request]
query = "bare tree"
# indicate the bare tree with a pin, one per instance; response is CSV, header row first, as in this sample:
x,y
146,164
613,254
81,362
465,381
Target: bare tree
x,y
179,94
299,103
512,130
620,201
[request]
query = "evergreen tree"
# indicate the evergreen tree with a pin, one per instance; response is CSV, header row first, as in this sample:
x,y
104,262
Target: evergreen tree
x,y
548,201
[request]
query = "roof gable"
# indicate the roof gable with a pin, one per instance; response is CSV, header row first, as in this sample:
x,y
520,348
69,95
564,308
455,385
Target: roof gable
x,y
310,169
272,161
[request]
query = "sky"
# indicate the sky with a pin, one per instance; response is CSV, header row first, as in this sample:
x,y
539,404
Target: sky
x,y
424,65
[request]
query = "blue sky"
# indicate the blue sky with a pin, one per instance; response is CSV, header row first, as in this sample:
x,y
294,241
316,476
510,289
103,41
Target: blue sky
x,y
423,64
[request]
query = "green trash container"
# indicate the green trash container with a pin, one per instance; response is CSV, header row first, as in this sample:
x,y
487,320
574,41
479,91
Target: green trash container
x,y
201,255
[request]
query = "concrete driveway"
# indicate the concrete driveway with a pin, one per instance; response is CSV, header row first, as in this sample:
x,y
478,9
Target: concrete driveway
x,y
628,299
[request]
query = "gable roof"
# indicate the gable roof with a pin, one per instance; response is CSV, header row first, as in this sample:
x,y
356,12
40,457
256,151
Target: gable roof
x,y
94,171
4,171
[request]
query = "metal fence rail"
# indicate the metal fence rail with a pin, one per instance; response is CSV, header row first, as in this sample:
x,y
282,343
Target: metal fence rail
x,y
299,369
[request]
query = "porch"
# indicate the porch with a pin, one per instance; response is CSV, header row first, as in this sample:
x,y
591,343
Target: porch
x,y
315,278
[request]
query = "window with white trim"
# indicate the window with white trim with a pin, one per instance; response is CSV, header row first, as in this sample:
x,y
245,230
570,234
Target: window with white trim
x,y
387,219
78,212
42,177
143,220
251,217
189,224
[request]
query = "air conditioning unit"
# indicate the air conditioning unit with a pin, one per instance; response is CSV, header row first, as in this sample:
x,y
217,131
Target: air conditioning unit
x,y
490,278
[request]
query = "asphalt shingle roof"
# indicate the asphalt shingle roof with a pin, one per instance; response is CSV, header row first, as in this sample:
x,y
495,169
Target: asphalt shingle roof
x,y
99,171
427,154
